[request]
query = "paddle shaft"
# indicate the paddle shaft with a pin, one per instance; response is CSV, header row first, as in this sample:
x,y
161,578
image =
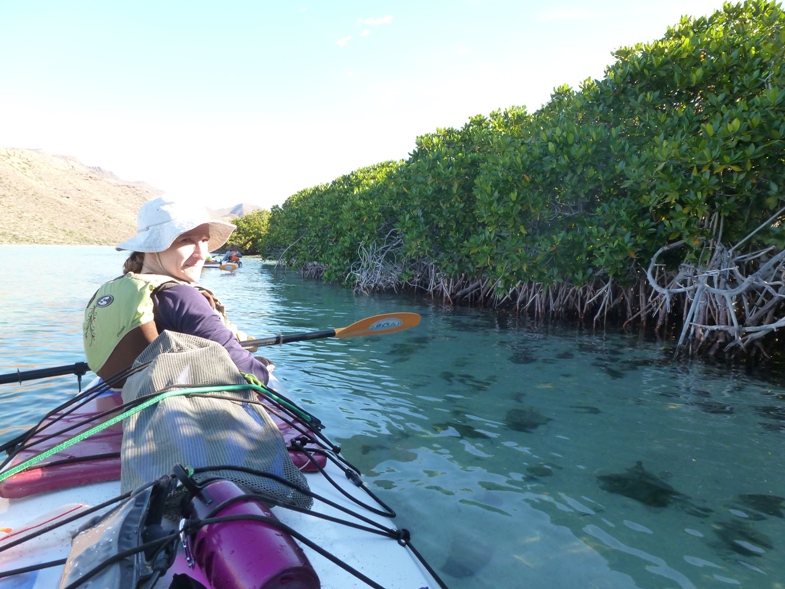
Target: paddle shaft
x,y
374,325
81,368
78,368
279,339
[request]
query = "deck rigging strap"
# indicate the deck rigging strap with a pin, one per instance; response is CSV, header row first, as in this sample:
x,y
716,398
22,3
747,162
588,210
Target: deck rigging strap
x,y
257,385
74,403
402,536
117,419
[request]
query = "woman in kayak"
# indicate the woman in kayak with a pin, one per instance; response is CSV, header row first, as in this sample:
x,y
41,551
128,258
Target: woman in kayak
x,y
232,256
157,291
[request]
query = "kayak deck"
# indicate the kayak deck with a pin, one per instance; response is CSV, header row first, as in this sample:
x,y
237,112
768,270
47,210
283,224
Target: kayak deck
x,y
87,474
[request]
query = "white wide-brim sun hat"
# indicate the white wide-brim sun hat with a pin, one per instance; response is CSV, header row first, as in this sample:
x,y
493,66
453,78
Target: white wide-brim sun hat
x,y
163,219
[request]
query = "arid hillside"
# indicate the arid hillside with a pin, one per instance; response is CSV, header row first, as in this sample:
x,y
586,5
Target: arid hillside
x,y
56,200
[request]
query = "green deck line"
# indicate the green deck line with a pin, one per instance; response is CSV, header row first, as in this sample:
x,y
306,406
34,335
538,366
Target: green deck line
x,y
118,418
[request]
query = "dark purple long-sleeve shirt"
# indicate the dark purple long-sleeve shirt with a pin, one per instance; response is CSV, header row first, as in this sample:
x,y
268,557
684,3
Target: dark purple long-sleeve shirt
x,y
184,309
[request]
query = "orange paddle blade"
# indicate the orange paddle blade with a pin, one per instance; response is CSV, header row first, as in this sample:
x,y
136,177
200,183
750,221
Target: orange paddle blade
x,y
379,324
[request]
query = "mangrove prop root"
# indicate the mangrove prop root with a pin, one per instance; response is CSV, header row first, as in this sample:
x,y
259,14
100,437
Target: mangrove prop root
x,y
725,303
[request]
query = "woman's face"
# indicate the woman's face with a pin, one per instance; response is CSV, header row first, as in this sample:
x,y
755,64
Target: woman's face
x,y
185,257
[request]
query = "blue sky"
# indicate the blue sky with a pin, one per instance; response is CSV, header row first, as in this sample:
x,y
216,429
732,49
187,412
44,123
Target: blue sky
x,y
251,100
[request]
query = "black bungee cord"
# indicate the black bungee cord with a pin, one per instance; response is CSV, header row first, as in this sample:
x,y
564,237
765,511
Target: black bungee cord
x,y
17,444
402,536
298,445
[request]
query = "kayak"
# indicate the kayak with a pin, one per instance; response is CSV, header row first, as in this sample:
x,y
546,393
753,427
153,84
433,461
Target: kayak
x,y
64,521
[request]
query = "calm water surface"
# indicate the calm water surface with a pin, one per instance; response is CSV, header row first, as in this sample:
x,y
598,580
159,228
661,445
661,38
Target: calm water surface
x,y
517,457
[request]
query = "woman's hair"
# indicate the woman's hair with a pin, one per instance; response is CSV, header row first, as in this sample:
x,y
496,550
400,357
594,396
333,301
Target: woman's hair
x,y
134,263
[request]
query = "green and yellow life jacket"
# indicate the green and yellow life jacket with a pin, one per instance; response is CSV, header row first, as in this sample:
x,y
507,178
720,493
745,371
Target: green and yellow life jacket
x,y
119,320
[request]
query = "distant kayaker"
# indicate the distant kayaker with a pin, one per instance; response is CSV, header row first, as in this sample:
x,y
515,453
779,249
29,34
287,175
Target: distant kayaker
x,y
157,291
232,256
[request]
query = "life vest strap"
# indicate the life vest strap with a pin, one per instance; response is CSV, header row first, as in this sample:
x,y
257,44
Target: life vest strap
x,y
127,350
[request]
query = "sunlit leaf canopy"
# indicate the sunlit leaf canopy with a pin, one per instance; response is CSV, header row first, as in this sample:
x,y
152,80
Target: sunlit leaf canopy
x,y
681,142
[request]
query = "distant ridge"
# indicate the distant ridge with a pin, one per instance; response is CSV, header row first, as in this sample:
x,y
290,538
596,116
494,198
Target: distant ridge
x,y
229,213
50,199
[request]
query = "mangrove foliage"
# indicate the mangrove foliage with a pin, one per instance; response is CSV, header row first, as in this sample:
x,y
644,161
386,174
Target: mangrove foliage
x,y
652,196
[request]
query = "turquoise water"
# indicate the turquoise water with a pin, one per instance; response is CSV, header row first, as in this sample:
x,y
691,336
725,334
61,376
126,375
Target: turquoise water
x,y
517,457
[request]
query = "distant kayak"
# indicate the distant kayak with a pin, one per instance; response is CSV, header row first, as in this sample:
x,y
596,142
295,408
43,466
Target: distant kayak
x,y
226,266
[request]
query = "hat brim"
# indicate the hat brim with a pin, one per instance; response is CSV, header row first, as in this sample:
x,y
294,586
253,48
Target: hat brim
x,y
159,238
